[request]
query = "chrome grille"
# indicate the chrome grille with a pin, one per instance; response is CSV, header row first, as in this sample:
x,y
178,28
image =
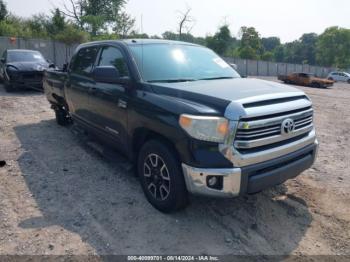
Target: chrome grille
x,y
253,133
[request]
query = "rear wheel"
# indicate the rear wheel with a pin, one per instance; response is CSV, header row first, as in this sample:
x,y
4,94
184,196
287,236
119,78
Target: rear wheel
x,y
161,177
62,117
348,81
317,85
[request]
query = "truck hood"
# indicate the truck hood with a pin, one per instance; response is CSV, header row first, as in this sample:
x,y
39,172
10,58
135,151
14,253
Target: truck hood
x,y
229,95
227,90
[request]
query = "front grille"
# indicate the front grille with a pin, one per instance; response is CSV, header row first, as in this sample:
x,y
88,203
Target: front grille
x,y
265,132
32,76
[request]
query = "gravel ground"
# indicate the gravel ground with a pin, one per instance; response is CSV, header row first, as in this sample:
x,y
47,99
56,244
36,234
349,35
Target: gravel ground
x,y
60,196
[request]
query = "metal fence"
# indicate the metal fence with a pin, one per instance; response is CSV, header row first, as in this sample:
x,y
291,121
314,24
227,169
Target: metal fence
x,y
60,53
57,52
264,68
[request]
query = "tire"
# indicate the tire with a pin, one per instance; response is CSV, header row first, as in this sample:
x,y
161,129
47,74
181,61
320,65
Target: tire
x,y
330,78
348,81
62,118
317,85
8,87
161,177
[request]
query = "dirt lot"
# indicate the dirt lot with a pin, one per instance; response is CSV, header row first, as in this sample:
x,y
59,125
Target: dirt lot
x,y
59,196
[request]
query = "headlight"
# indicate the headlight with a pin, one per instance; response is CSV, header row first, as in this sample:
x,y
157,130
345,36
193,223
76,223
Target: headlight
x,y
11,69
207,128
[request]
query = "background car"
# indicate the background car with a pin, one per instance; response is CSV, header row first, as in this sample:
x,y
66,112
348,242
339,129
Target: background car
x,y
23,68
339,76
304,79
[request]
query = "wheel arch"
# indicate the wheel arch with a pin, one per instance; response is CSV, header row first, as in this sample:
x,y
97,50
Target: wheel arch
x,y
142,135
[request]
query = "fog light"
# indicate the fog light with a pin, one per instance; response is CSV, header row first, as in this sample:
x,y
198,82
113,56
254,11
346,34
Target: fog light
x,y
215,182
212,181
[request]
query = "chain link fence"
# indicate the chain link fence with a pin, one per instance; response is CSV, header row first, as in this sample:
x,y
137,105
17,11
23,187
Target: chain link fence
x,y
60,53
263,68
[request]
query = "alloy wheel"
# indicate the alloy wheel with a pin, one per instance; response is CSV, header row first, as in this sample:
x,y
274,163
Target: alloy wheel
x,y
157,177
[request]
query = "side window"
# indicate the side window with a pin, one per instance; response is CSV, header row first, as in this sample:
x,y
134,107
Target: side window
x,y
111,56
84,61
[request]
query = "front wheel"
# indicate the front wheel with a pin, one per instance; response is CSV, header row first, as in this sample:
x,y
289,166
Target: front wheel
x,y
161,177
62,117
8,87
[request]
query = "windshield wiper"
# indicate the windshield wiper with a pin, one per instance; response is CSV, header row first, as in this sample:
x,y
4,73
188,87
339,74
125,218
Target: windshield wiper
x,y
172,80
217,78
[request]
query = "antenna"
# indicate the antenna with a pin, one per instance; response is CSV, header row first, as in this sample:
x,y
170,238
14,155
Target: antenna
x,y
141,23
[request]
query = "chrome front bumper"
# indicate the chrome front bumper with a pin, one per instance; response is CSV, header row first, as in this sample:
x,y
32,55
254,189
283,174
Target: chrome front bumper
x,y
233,178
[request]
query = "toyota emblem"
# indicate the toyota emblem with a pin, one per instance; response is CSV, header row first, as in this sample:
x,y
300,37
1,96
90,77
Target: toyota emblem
x,y
288,126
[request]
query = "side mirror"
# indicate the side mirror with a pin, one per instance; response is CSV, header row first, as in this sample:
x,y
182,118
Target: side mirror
x,y
108,74
65,67
52,66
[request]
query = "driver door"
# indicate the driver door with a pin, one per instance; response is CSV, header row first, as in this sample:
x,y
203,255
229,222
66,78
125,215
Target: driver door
x,y
108,102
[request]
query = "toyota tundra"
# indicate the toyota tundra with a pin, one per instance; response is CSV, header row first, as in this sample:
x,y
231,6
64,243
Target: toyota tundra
x,y
186,118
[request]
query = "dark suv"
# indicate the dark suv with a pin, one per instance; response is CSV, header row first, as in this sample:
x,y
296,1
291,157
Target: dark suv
x,y
186,118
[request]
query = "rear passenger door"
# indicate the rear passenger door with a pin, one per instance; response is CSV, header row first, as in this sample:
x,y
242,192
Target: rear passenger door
x,y
108,102
79,82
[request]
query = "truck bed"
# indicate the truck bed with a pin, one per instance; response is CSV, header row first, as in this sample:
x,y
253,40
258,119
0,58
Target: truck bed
x,y
53,84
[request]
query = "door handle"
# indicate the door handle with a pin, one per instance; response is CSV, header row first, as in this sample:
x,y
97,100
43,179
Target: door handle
x,y
92,90
122,103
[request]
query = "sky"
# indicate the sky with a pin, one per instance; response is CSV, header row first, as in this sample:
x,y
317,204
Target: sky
x,y
285,19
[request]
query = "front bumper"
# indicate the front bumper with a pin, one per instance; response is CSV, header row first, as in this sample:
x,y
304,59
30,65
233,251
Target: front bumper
x,y
27,80
251,178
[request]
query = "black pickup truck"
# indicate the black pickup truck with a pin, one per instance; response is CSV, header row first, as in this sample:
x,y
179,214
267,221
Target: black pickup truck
x,y
186,118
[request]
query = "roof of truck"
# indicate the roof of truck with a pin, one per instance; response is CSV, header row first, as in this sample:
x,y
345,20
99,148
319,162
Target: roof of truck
x,y
131,42
21,50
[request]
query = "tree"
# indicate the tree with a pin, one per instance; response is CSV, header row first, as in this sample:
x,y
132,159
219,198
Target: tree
x,y
56,23
3,10
250,45
267,56
94,15
170,35
247,52
278,54
308,48
186,22
270,43
221,41
36,25
72,35
124,24
333,47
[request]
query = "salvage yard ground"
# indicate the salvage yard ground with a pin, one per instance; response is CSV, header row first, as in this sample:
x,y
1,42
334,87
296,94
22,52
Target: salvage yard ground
x,y
59,196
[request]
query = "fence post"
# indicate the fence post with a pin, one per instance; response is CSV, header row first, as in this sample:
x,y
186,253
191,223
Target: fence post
x,y
54,52
286,65
246,67
257,67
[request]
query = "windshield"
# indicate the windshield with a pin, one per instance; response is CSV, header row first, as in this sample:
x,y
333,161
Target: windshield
x,y
180,62
24,56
